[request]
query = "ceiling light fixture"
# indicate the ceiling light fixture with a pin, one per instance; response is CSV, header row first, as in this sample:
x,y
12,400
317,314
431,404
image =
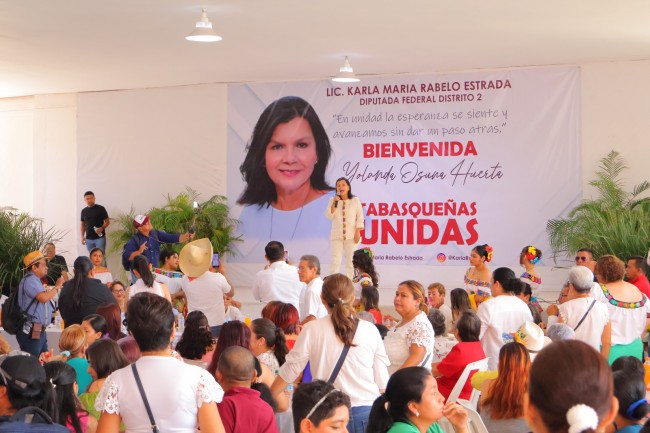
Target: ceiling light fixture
x,y
203,31
346,74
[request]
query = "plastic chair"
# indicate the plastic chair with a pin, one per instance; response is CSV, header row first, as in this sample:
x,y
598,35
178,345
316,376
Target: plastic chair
x,y
474,421
480,365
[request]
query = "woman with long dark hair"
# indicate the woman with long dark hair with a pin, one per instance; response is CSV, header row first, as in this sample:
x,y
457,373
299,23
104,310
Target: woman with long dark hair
x,y
100,272
82,295
145,280
364,370
346,213
477,277
284,171
64,407
104,357
413,404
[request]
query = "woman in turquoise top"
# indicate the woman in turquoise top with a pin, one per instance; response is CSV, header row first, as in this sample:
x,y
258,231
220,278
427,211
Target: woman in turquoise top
x,y
73,340
412,404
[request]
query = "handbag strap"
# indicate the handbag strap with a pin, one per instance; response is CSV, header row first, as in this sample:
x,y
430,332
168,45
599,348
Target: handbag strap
x,y
342,357
26,310
585,316
154,427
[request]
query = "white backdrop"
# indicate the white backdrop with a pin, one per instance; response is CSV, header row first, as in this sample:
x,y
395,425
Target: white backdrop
x,y
481,157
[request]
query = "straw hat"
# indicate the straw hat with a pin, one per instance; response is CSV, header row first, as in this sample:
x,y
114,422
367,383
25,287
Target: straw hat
x,y
195,257
532,336
32,258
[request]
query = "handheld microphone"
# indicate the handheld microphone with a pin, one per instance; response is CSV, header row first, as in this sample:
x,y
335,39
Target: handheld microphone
x,y
336,204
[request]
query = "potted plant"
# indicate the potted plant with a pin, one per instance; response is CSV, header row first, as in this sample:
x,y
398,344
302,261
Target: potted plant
x,y
615,222
20,234
178,215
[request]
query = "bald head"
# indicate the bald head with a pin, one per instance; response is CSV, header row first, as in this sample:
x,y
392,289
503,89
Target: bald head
x,y
237,364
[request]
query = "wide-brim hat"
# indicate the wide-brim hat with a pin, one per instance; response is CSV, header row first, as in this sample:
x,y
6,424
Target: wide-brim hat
x,y
532,336
195,257
32,258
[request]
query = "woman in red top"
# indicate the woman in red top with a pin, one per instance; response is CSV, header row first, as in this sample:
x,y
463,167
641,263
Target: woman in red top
x,y
468,350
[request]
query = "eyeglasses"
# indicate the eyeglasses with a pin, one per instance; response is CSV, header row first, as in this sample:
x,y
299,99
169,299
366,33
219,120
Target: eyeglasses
x,y
581,259
118,291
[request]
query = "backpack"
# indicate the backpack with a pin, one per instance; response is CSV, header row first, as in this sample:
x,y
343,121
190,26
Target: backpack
x,y
30,420
13,317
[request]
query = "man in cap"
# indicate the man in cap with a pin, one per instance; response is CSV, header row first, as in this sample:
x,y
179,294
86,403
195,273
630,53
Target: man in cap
x,y
204,286
146,241
34,299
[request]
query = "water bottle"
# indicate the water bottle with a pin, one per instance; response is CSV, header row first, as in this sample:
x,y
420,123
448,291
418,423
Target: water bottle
x,y
181,323
646,367
58,321
98,234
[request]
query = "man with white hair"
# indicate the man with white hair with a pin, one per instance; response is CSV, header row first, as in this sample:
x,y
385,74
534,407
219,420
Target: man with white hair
x,y
588,318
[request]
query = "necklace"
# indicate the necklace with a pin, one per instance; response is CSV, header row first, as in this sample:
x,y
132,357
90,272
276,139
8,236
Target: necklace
x,y
295,227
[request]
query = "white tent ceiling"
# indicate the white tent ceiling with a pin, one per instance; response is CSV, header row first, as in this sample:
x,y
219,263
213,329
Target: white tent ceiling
x,y
59,46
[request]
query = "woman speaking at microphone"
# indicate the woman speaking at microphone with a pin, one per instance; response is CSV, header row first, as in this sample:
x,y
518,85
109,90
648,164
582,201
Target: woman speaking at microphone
x,y
346,213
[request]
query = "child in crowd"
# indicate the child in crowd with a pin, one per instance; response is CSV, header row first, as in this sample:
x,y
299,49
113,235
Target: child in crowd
x,y
370,302
364,271
232,312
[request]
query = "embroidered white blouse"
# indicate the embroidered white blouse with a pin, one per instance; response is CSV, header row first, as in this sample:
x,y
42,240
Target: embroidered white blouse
x,y
399,339
175,392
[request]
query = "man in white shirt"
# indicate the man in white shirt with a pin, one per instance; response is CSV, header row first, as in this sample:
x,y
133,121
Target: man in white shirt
x,y
203,285
279,281
311,305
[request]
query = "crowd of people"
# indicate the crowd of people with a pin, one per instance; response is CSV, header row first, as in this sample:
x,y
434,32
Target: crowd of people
x,y
171,348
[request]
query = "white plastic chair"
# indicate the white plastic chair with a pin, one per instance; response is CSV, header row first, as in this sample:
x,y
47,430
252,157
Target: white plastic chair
x,y
474,421
480,365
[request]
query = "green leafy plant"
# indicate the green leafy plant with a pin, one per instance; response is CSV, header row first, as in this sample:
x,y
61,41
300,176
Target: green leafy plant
x,y
177,215
20,234
615,222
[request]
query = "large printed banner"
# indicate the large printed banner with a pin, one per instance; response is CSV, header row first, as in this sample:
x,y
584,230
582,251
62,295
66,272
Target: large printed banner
x,y
441,163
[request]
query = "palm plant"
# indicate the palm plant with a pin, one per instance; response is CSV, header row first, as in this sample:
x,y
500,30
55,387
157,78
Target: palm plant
x,y
177,216
20,234
616,222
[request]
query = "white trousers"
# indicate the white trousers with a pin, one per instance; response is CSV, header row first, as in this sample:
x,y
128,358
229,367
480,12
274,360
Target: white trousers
x,y
338,247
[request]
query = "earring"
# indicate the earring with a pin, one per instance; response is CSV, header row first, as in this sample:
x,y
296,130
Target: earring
x,y
417,413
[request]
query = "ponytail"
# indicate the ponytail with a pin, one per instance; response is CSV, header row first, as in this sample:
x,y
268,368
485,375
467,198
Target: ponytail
x,y
280,348
82,267
273,336
338,294
141,264
379,419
